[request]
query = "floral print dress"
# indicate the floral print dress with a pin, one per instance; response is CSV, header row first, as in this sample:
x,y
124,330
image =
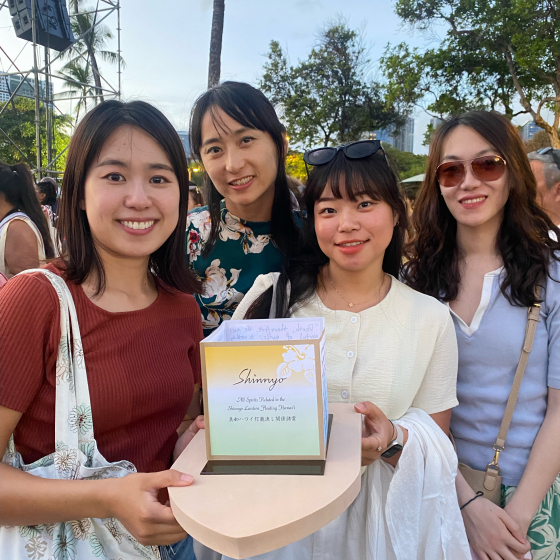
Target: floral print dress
x,y
243,251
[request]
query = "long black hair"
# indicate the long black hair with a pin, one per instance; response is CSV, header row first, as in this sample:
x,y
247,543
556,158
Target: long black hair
x,y
250,108
49,187
18,187
80,257
523,240
371,176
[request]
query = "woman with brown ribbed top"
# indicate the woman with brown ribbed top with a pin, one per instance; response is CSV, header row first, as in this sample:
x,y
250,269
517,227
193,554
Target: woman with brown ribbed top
x,y
122,217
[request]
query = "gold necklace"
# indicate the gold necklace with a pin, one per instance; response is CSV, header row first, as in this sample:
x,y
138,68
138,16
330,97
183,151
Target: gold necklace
x,y
350,304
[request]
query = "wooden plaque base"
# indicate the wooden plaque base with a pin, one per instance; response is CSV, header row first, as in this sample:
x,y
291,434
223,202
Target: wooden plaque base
x,y
244,515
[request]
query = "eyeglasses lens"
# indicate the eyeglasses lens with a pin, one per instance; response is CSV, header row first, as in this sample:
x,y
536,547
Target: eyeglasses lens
x,y
488,168
450,174
485,168
321,156
361,150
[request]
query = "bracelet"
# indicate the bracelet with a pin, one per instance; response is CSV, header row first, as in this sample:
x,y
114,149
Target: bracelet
x,y
478,495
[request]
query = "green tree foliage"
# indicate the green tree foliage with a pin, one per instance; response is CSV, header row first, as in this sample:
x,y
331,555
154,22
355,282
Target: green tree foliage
x,y
295,166
327,98
493,52
406,164
17,134
83,55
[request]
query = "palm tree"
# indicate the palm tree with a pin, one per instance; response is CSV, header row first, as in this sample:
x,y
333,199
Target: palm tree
x,y
80,81
91,45
214,65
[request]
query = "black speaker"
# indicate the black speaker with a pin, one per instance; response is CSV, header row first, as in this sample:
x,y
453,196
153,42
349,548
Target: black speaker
x,y
52,24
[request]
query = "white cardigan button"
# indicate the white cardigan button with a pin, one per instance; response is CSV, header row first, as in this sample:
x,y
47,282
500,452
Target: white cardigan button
x,y
344,394
350,354
354,319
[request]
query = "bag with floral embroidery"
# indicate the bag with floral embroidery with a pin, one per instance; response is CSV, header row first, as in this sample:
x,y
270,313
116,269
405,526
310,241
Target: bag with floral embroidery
x,y
76,457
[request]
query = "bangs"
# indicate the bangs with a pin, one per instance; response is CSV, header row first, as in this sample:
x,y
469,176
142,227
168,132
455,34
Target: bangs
x,y
242,114
351,178
241,102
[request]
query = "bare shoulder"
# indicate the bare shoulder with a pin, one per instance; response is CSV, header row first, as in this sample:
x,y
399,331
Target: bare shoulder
x,y
18,230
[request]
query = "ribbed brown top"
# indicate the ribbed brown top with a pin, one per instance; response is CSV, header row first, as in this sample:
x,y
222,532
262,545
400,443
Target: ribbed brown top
x,y
141,366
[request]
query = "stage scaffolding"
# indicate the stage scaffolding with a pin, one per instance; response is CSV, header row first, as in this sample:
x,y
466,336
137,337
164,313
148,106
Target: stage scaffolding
x,y
41,68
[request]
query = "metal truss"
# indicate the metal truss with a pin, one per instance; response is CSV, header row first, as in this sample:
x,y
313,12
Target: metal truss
x,y
104,9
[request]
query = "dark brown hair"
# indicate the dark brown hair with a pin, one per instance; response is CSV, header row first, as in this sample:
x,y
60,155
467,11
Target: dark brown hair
x,y
195,192
80,257
523,240
250,108
371,176
18,187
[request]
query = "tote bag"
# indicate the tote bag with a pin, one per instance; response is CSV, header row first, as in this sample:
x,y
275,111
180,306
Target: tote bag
x,y
76,457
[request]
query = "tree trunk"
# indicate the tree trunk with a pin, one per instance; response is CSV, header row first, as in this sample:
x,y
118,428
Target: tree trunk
x,y
89,45
214,65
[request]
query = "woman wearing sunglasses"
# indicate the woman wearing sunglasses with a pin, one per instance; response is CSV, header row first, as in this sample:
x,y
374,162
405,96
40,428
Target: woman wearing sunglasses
x,y
248,227
482,245
388,347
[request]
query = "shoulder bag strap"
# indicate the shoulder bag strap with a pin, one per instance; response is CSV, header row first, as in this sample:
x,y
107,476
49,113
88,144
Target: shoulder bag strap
x,y
532,320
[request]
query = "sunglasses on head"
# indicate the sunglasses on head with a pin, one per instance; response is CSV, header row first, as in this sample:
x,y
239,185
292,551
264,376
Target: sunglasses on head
x,y
354,150
485,168
555,154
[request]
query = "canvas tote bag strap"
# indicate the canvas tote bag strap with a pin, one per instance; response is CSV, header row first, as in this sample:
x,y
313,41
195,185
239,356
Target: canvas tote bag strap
x,y
73,420
492,469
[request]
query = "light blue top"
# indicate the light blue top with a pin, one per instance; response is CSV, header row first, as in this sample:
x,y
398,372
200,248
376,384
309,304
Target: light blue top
x,y
489,351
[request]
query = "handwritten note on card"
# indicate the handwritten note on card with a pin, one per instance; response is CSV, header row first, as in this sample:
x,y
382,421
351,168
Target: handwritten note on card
x,y
273,329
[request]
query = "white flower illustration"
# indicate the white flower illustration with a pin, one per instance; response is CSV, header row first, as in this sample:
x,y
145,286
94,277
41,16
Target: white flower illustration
x,y
217,285
113,528
80,419
81,528
232,228
36,548
201,221
65,460
298,358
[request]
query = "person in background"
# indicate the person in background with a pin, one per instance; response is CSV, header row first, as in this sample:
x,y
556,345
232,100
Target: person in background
x,y
196,200
47,194
123,214
249,225
546,167
24,234
482,245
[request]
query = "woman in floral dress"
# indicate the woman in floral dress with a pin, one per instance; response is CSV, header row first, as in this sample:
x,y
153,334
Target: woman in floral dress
x,y
249,226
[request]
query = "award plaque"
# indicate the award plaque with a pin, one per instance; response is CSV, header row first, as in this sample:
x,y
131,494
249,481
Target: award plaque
x,y
265,397
284,469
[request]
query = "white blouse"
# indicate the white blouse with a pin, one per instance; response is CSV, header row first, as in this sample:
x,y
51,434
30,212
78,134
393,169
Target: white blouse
x,y
398,354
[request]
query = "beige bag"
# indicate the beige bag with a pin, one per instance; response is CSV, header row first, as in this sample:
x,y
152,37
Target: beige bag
x,y
489,481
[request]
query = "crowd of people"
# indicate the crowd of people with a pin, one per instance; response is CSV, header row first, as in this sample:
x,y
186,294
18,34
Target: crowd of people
x,y
442,329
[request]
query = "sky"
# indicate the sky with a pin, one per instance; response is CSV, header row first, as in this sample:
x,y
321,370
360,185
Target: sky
x,y
165,44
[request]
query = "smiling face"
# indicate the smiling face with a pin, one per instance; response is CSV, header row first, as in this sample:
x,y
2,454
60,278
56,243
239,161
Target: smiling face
x,y
131,195
353,234
473,202
242,163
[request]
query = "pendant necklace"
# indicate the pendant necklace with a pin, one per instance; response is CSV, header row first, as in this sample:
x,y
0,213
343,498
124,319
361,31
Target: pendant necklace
x,y
350,304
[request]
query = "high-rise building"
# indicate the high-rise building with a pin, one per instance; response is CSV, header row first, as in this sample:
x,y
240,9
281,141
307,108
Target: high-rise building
x,y
402,140
8,85
435,122
184,136
528,130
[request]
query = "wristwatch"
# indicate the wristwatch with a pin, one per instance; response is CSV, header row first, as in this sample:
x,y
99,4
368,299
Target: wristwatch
x,y
396,445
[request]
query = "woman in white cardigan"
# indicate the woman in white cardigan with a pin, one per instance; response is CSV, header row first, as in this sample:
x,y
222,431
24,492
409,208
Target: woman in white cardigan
x,y
390,350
